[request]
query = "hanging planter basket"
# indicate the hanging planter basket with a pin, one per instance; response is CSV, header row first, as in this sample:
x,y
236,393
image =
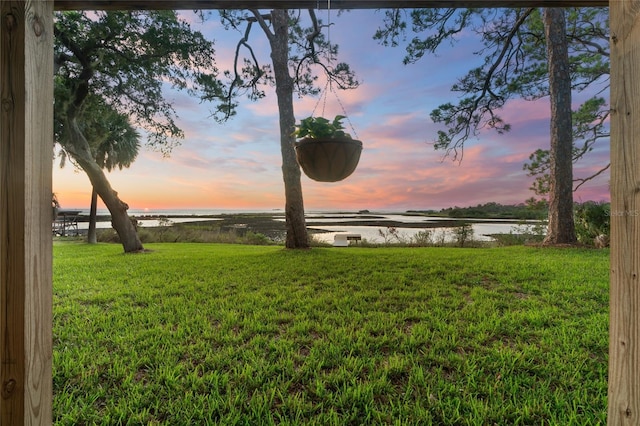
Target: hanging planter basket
x,y
325,152
328,159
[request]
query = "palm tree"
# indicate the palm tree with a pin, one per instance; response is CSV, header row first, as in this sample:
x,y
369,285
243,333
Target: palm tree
x,y
125,58
113,141
118,148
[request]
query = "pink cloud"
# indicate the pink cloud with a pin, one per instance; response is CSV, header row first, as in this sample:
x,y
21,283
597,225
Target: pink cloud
x,y
237,164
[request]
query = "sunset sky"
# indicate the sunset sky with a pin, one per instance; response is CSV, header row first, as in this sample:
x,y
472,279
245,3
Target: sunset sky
x,y
237,165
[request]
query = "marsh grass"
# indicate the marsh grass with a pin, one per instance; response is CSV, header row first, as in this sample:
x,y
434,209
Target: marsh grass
x,y
193,233
196,334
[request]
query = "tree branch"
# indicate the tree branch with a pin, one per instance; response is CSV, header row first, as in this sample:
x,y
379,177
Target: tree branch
x,y
593,176
244,41
486,88
82,89
465,117
262,21
600,50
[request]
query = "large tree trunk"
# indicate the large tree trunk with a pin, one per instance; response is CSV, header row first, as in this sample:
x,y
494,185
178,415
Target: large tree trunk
x,y
297,236
92,238
561,228
79,149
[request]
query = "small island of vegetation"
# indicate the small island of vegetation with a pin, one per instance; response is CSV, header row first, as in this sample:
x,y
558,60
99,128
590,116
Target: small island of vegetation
x,y
491,210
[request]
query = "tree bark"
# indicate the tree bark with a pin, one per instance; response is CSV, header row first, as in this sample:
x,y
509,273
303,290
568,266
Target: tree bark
x,y
561,228
26,129
79,149
93,212
297,236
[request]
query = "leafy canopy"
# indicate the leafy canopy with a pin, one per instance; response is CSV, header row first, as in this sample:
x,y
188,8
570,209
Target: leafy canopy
x,y
125,59
309,50
513,64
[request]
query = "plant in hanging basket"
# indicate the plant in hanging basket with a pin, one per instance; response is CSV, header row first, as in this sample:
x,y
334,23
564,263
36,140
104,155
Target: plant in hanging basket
x,y
325,151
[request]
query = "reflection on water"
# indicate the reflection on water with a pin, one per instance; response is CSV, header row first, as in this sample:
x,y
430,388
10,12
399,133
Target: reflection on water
x,y
377,234
481,232
149,222
374,233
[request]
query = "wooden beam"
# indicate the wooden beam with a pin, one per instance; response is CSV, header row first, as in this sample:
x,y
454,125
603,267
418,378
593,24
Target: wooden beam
x,y
26,133
26,111
624,328
313,4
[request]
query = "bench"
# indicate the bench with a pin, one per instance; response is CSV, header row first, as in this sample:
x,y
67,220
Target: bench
x,y
66,223
343,240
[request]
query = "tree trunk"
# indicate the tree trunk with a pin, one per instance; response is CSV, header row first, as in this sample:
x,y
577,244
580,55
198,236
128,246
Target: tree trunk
x,y
561,228
93,212
297,236
79,149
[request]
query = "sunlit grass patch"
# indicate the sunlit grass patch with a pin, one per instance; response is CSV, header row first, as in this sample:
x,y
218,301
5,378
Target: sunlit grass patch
x,y
227,334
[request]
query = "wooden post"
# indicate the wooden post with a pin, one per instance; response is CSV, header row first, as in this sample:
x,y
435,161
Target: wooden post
x,y
624,335
26,143
26,111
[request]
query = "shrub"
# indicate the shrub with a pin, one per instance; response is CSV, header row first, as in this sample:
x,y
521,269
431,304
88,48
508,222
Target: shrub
x,y
392,234
592,219
186,234
463,234
523,234
257,239
422,238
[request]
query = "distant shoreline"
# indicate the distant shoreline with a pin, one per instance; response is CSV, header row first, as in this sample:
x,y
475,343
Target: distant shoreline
x,y
273,225
312,219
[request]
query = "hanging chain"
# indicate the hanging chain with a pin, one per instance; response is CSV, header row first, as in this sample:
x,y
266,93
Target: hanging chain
x,y
321,98
329,27
346,115
329,84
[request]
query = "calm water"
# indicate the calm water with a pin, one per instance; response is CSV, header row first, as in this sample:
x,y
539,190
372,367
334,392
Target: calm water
x,y
481,231
371,233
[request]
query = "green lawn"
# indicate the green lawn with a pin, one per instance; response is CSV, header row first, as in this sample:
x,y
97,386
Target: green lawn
x,y
195,334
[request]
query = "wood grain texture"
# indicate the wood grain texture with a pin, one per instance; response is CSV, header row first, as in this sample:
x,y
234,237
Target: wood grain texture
x,y
12,258
25,190
305,4
624,337
26,132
